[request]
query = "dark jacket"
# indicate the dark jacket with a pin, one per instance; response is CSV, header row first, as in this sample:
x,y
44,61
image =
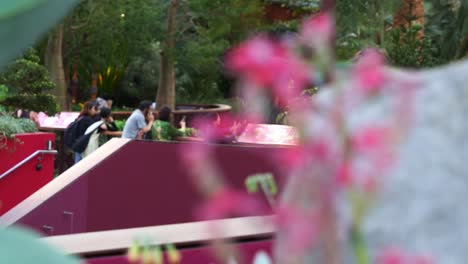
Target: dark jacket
x,y
83,123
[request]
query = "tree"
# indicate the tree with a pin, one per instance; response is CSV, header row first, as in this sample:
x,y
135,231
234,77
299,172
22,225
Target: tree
x,y
166,91
361,23
54,64
28,79
408,13
101,35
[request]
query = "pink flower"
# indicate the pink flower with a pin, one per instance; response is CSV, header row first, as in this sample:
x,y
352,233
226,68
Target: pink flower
x,y
371,139
301,155
344,176
319,27
226,203
268,64
373,154
397,256
300,228
225,127
369,72
391,256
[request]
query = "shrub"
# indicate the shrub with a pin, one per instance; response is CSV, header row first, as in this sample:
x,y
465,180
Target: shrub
x,y
26,80
9,126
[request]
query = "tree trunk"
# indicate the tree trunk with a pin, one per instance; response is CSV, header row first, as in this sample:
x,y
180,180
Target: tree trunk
x,y
54,64
329,6
409,13
166,89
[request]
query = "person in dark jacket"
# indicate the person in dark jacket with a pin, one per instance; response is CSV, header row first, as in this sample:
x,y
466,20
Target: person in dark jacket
x,y
88,115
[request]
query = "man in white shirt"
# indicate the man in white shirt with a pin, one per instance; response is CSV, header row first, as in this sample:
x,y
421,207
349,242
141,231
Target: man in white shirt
x,y
136,124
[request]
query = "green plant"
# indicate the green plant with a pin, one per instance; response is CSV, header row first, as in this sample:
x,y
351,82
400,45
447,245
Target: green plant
x,y
9,126
27,79
405,49
109,79
36,102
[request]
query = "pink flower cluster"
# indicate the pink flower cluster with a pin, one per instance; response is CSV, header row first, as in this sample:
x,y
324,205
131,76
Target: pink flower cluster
x,y
337,156
264,63
369,73
317,29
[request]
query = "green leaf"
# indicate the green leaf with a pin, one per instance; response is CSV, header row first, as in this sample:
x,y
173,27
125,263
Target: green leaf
x,y
13,8
24,21
22,246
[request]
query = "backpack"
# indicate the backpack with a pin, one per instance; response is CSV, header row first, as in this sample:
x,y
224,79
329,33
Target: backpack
x,y
70,134
81,142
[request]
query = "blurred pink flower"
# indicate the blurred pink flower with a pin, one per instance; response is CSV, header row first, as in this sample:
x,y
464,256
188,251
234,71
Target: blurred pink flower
x,y
375,142
397,256
372,149
224,127
369,72
301,155
226,202
319,27
269,64
371,139
300,228
344,176
391,256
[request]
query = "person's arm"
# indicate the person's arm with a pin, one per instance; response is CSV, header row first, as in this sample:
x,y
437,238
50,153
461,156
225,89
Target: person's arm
x,y
145,126
112,133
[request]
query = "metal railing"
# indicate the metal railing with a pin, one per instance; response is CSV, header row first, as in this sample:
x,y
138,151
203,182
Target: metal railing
x,y
28,158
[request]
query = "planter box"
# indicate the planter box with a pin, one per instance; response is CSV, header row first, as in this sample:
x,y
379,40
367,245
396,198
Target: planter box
x,y
32,175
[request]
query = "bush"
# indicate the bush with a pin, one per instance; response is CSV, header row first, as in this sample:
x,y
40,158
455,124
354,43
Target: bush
x,y
141,77
26,79
405,49
36,102
10,126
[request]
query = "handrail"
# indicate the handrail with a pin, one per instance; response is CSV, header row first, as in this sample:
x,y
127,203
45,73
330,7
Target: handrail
x,y
28,158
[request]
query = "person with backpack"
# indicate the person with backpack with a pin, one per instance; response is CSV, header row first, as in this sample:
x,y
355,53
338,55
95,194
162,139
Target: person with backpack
x,y
105,126
88,115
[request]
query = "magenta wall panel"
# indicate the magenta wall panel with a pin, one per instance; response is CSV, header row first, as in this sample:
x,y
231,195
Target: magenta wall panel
x,y
142,184
64,213
146,183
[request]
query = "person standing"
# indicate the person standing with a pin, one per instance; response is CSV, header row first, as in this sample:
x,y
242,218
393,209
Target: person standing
x,y
137,125
88,115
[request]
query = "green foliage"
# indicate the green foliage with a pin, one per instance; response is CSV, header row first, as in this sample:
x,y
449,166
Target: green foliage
x,y
209,29
141,77
264,181
26,75
447,24
109,79
306,5
35,102
120,124
26,80
24,21
3,92
361,23
99,34
404,49
9,126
